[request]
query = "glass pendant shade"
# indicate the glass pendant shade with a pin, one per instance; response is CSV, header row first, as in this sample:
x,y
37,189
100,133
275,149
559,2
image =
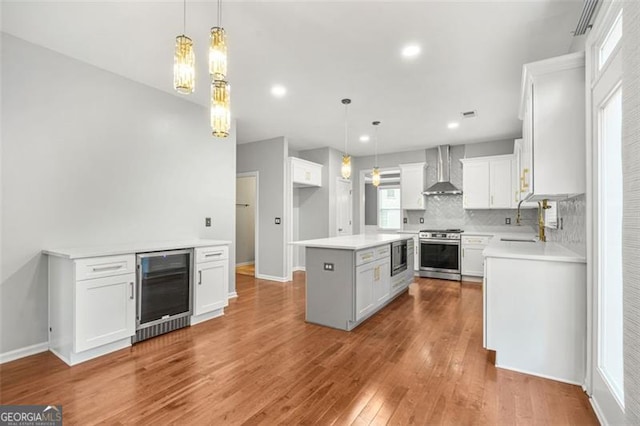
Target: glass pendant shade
x,y
375,177
184,70
218,54
220,109
346,166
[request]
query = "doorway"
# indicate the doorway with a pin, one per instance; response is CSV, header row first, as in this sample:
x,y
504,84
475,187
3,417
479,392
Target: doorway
x,y
344,209
246,224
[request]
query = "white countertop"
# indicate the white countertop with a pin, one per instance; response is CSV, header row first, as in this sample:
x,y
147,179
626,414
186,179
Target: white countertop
x,y
499,230
554,252
82,252
352,242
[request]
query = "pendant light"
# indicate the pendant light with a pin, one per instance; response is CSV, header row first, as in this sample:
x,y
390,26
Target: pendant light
x,y
375,175
184,61
220,89
346,158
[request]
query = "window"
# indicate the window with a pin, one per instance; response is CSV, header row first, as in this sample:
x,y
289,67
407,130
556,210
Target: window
x,y
389,210
610,42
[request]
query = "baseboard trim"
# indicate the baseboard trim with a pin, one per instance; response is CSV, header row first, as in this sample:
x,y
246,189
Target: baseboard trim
x,y
598,411
197,319
24,352
233,295
272,278
246,263
299,269
472,279
532,373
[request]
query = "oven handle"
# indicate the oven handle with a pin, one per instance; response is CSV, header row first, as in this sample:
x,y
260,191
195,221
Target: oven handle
x,y
450,242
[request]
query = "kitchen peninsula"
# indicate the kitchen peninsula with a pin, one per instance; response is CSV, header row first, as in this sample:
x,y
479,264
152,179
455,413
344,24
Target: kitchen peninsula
x,y
350,278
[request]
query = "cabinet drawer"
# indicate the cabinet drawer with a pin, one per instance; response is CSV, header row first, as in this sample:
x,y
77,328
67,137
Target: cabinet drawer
x,y
383,251
365,256
476,239
209,254
107,266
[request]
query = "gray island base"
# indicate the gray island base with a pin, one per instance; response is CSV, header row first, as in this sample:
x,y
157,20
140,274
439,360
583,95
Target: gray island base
x,y
348,279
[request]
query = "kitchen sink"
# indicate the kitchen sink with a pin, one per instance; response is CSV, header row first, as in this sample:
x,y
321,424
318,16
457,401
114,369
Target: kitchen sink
x,y
518,240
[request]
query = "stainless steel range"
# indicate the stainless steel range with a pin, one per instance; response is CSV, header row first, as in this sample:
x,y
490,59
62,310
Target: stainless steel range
x,y
440,254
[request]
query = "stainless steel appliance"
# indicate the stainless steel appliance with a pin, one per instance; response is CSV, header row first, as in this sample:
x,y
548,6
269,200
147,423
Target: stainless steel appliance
x,y
398,257
440,254
164,292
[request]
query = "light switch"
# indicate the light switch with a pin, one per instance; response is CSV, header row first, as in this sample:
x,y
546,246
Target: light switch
x,y
277,221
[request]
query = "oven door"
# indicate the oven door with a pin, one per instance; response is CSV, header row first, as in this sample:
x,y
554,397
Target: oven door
x,y
440,256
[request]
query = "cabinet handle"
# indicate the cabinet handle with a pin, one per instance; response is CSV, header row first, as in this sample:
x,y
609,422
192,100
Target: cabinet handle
x,y
492,200
525,184
131,284
219,253
199,277
106,268
462,253
515,196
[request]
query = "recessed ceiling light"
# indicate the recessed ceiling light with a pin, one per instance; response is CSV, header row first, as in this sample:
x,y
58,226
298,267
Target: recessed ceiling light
x,y
278,91
365,138
411,51
453,125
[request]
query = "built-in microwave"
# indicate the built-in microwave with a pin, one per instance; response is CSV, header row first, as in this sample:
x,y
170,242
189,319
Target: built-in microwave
x,y
398,257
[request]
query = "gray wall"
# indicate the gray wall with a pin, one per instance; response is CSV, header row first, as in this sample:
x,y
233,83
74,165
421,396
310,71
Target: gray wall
x,y
485,149
631,209
91,158
245,219
268,158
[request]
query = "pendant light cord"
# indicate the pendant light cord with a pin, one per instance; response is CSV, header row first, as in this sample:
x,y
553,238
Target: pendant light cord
x,y
376,146
184,17
346,127
219,13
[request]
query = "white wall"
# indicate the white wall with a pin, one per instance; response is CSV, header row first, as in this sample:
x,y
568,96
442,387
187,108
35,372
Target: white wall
x,y
245,219
91,158
268,158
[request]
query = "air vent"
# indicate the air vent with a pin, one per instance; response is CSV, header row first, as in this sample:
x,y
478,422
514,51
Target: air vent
x,y
469,114
584,22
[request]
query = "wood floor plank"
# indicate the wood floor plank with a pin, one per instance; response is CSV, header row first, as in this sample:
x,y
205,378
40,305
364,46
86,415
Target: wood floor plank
x,y
419,361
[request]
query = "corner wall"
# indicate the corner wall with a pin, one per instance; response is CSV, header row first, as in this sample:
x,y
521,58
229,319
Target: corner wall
x,y
91,158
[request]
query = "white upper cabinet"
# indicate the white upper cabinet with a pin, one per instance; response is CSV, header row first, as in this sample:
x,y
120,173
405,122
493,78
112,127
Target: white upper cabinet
x,y
475,184
552,159
305,173
518,193
487,182
412,181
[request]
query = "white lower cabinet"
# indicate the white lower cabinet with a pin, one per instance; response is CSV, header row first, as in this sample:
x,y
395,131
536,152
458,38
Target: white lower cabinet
x,y
211,287
365,299
382,281
211,283
472,258
105,311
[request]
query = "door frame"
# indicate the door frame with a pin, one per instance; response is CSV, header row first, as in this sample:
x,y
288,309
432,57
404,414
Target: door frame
x,y
606,409
340,180
256,221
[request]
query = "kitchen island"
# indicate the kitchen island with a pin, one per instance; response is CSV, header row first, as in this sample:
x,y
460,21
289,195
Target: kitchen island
x,y
348,278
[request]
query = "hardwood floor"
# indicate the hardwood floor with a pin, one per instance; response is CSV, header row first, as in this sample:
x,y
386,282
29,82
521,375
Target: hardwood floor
x,y
419,361
246,270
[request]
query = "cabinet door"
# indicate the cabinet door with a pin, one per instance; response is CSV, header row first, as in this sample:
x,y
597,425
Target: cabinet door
x,y
526,155
211,287
105,311
472,261
475,183
412,185
382,281
365,276
500,183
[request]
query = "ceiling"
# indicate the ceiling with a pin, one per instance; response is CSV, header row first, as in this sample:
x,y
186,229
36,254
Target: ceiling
x,y
472,57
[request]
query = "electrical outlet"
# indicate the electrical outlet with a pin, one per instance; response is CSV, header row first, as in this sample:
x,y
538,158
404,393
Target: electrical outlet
x,y
507,221
277,221
328,267
404,220
207,221
422,220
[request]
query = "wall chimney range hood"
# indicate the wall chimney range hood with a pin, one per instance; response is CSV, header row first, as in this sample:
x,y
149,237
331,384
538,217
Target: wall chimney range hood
x,y
443,187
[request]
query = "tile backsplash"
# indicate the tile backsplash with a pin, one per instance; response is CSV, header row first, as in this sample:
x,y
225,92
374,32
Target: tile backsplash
x,y
445,211
573,216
